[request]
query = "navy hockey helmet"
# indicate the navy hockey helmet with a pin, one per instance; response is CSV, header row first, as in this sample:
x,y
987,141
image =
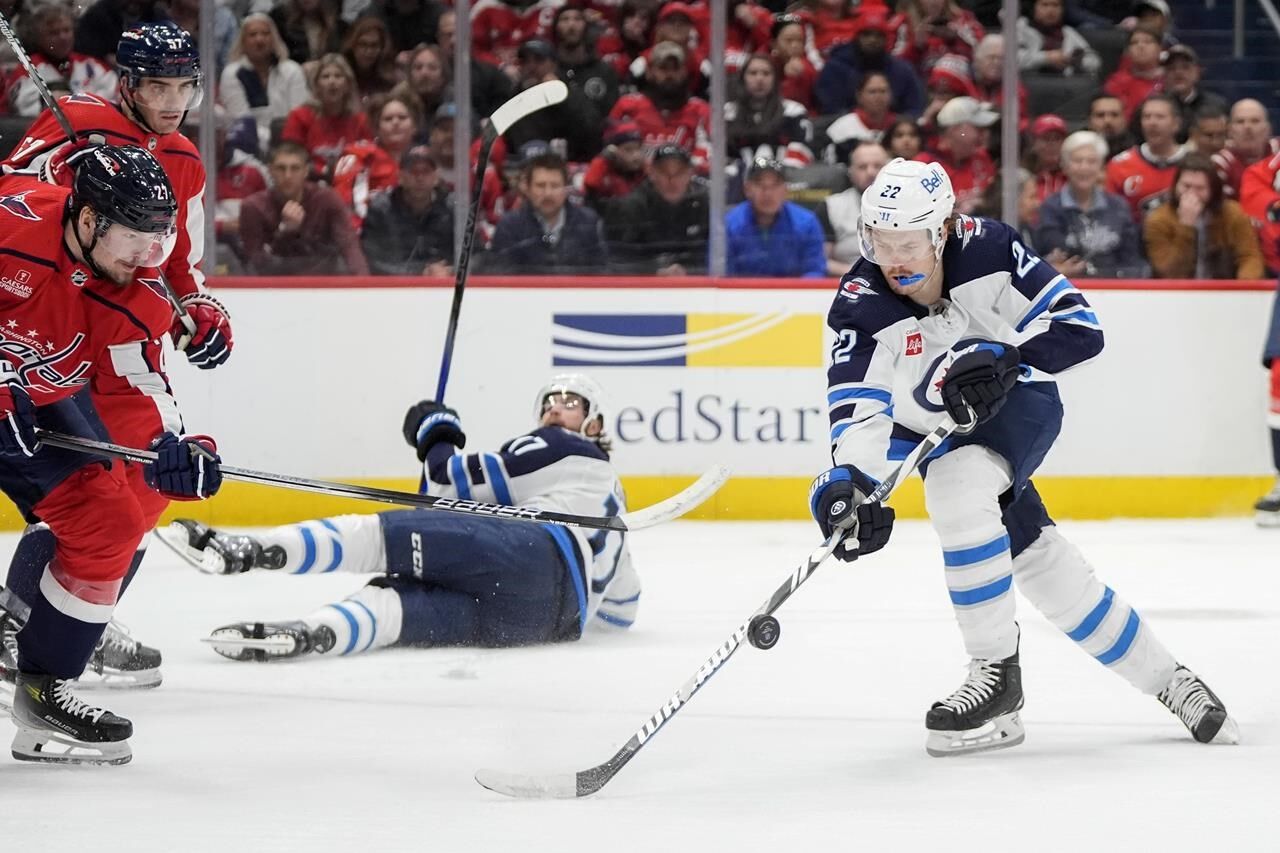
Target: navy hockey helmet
x,y
161,50
126,186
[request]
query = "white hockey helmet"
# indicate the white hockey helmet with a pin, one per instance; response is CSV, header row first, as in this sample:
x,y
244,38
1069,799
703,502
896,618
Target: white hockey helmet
x,y
906,196
574,383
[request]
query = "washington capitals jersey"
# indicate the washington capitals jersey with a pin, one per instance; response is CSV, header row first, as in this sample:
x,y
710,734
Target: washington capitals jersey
x,y
177,155
64,329
891,355
554,469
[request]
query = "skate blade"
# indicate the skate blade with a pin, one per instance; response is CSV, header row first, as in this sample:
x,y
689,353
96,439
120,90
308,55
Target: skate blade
x,y
177,539
143,679
1228,734
49,747
1000,733
1267,519
240,648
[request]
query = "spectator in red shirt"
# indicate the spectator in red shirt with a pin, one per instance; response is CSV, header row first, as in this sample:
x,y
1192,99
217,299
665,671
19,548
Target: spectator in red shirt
x,y
372,55
332,119
903,139
1249,140
1045,159
1144,76
240,175
962,149
428,79
664,110
931,29
835,22
622,46
677,24
749,31
451,171
618,169
762,118
63,70
867,122
298,227
1143,174
795,69
369,167
988,77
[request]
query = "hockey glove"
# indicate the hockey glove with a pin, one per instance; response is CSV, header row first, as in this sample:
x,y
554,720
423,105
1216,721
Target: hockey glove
x,y
978,382
185,469
836,499
429,423
17,415
60,166
211,344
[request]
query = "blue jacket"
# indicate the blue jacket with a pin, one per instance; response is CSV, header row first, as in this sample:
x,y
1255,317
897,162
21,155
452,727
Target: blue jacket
x,y
837,85
1106,237
791,248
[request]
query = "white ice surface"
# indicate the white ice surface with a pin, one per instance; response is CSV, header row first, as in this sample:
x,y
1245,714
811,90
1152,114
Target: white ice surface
x,y
817,745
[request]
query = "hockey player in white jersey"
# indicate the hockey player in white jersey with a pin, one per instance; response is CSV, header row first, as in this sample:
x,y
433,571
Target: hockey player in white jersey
x,y
445,579
954,315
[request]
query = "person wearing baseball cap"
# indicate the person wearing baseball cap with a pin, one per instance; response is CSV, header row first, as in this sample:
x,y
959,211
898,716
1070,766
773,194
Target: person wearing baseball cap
x,y
964,123
618,169
1045,159
409,230
768,235
664,109
575,119
1182,72
663,226
837,85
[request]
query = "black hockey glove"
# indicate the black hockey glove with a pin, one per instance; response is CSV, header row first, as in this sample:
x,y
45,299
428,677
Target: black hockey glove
x,y
17,415
836,499
428,423
979,381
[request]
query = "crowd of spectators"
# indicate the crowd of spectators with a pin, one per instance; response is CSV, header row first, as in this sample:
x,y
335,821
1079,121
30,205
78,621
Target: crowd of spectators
x,y
336,123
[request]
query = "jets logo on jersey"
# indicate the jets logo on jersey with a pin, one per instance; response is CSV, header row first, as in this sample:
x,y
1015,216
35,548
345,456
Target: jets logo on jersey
x,y
856,287
17,205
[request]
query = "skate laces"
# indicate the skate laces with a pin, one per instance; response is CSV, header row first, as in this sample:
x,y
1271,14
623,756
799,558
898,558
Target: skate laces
x,y
1187,697
984,675
72,704
117,638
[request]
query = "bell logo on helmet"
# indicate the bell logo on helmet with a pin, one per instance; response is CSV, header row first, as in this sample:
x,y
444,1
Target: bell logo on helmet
x,y
932,183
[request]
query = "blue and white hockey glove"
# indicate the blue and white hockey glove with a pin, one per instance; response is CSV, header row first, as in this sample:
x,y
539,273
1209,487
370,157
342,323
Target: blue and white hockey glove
x,y
428,423
836,500
978,382
185,469
17,415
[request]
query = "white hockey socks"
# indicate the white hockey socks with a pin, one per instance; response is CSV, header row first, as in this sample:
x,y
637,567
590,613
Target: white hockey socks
x,y
343,543
370,619
962,492
1058,580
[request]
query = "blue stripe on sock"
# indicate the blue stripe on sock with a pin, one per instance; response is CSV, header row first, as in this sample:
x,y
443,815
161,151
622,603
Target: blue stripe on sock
x,y
336,541
373,622
962,557
308,551
351,623
1122,645
995,589
458,474
1091,622
497,480
614,620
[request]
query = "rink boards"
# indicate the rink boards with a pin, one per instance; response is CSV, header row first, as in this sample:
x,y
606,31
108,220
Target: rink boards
x,y
1167,422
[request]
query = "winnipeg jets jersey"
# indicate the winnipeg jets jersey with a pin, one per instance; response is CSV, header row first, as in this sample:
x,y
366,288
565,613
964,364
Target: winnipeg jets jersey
x,y
554,469
890,354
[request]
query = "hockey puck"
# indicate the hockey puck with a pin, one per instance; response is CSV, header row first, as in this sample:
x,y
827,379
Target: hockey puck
x,y
763,631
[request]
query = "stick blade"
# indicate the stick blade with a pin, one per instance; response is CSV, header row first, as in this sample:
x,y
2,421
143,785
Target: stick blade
x,y
529,101
677,505
556,786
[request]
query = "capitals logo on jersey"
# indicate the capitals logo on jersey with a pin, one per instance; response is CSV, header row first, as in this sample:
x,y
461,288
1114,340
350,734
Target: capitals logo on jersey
x,y
37,359
17,205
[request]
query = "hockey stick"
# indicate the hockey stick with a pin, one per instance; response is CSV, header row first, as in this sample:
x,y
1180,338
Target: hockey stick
x,y
51,103
525,103
584,783
672,507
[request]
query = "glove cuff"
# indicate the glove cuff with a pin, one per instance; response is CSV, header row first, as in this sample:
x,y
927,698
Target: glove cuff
x,y
862,483
204,299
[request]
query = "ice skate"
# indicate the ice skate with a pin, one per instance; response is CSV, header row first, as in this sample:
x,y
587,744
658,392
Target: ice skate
x,y
1267,509
55,726
983,712
219,553
8,660
267,641
121,662
1200,710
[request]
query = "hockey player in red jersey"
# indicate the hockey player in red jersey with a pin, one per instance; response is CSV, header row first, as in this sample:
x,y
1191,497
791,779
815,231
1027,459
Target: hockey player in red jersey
x,y
160,80
81,307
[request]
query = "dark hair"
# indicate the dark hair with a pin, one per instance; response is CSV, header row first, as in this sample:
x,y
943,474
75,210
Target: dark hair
x,y
1196,162
1099,96
289,147
1161,97
862,84
550,161
1148,30
1210,111
406,97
